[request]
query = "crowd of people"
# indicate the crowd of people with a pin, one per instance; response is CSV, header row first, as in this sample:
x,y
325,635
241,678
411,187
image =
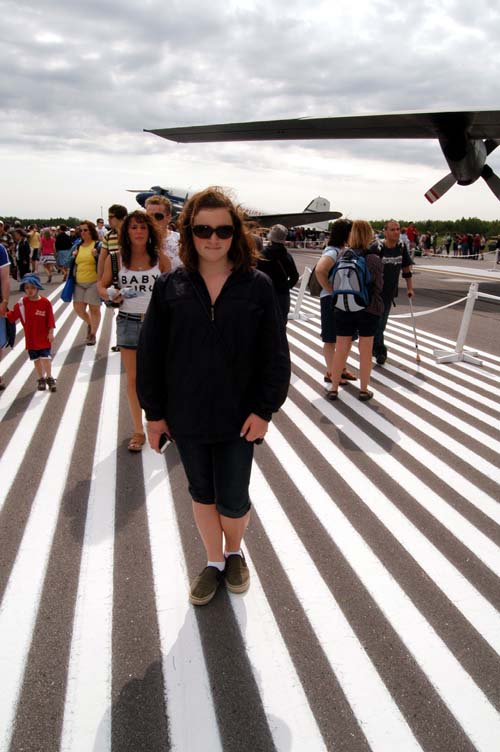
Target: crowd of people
x,y
201,330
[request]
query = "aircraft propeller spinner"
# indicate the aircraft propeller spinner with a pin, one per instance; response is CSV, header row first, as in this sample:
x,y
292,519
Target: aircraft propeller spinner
x,y
491,179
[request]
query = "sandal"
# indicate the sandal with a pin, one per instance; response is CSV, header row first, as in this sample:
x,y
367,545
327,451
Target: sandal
x,y
137,441
327,378
348,375
332,395
364,396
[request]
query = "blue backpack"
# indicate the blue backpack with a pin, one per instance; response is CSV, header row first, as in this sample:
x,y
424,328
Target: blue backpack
x,y
350,278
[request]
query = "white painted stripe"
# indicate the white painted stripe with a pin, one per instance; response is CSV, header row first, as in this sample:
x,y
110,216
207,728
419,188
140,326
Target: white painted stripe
x,y
187,685
9,395
455,480
377,714
462,529
474,606
22,595
287,709
421,384
469,705
413,396
28,423
87,710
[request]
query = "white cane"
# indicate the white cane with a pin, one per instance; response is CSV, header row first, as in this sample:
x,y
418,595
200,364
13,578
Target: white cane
x,y
417,357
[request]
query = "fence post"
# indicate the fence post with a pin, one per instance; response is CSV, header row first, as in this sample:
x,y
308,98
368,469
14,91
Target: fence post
x,y
458,354
296,315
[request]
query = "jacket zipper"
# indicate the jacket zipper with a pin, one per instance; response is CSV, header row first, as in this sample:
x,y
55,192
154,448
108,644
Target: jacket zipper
x,y
212,312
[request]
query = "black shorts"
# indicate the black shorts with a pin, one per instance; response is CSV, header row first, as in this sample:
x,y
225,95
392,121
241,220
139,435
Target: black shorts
x,y
350,324
219,474
328,330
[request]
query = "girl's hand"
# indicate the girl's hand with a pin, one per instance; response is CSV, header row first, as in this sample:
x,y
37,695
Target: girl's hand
x,y
254,428
155,428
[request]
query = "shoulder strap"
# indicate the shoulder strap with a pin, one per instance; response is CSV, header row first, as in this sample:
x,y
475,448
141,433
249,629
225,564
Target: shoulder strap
x,y
114,266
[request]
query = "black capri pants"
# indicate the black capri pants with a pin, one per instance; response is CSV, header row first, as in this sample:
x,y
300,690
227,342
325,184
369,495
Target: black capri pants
x,y
219,473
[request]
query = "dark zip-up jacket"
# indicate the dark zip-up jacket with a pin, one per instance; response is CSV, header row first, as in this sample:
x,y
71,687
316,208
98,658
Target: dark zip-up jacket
x,y
205,368
279,265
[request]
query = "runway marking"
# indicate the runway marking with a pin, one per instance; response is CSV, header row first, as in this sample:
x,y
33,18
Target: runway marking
x,y
423,385
378,715
26,371
460,693
450,476
415,397
287,709
462,529
474,607
87,710
27,425
18,614
187,685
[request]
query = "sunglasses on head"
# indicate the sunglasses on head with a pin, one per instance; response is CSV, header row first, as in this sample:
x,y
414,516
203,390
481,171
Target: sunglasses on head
x,y
159,216
223,232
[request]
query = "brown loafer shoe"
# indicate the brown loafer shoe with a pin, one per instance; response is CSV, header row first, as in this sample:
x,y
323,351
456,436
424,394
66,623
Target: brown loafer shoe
x,y
236,574
204,587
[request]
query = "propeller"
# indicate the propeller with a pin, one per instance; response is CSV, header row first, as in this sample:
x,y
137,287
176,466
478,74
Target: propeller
x,y
492,180
440,188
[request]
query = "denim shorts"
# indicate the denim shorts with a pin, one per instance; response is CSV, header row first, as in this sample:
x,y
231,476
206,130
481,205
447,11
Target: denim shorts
x,y
127,332
36,354
219,474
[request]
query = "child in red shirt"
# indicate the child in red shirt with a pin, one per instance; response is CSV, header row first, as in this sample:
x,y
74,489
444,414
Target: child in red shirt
x,y
37,318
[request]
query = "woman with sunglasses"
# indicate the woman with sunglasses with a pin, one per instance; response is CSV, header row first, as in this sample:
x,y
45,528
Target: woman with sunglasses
x,y
139,266
160,209
85,294
213,365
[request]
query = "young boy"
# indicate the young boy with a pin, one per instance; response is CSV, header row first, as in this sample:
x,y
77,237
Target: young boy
x,y
37,318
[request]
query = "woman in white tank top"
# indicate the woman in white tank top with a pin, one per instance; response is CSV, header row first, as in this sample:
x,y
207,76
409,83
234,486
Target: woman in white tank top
x,y
139,265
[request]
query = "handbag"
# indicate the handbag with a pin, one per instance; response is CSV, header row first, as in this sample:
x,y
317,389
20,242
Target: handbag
x,y
69,286
313,285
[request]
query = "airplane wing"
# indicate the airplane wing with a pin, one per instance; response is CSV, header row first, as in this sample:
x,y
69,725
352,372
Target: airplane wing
x,y
479,124
293,220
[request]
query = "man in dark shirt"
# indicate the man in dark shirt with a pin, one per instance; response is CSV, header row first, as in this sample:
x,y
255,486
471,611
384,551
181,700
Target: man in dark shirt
x,y
395,257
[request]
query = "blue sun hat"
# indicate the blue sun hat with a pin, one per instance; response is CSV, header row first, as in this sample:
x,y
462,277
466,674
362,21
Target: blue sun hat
x,y
31,279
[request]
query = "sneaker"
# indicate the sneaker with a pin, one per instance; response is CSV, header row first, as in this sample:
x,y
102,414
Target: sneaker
x,y
381,358
204,587
41,384
51,383
237,574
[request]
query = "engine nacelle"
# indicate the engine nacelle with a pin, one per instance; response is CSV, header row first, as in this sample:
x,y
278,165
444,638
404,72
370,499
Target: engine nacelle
x,y
466,158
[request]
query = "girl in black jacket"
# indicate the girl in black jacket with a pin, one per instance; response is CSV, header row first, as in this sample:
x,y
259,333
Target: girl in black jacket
x,y
212,366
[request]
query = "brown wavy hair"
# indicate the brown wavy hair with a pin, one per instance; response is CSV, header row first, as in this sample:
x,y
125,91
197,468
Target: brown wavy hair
x,y
242,251
152,243
92,229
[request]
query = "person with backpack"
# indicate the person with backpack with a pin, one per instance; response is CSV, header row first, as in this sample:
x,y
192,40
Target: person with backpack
x,y
86,256
356,278
337,241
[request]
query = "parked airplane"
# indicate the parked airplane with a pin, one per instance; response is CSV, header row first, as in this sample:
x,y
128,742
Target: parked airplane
x,y
466,137
318,210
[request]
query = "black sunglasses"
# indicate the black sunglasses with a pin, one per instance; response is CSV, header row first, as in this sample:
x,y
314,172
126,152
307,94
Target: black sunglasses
x,y
223,232
159,216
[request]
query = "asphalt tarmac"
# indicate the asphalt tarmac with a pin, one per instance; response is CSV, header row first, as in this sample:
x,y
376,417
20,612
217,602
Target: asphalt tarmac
x,y
372,621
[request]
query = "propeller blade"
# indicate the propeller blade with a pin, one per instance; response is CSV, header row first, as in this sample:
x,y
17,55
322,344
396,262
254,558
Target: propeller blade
x,y
492,180
440,188
491,144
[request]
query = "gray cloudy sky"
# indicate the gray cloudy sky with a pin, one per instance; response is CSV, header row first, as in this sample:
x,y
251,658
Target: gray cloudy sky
x,y
79,82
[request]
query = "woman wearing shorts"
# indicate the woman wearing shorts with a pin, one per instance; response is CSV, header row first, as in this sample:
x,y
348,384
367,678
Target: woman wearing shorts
x,y
213,366
336,242
364,322
139,265
85,294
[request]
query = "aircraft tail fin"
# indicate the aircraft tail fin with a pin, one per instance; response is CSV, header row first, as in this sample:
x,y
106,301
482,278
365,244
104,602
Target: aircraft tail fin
x,y
440,188
318,204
